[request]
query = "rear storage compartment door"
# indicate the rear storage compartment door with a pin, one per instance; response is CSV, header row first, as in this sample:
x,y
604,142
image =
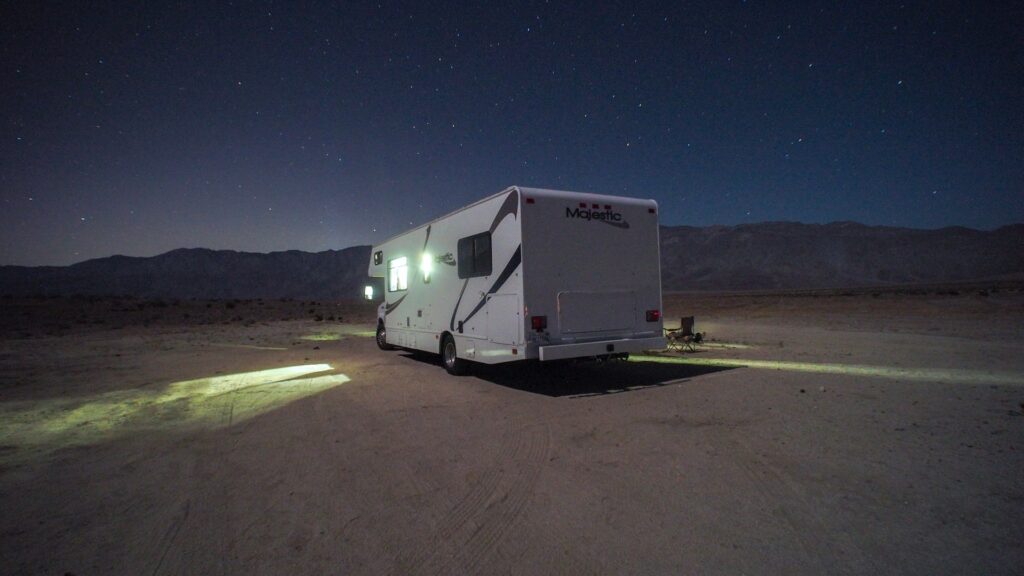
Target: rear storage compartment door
x,y
582,312
503,319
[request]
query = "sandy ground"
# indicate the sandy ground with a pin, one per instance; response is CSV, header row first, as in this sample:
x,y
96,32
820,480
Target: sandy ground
x,y
829,433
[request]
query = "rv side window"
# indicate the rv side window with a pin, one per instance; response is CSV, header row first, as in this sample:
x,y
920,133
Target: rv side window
x,y
398,274
475,256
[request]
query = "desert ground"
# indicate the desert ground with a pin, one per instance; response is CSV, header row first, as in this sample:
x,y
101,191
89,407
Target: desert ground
x,y
821,432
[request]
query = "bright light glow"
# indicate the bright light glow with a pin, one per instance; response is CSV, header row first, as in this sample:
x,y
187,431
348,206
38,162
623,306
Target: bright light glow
x,y
321,337
426,265
341,331
368,292
398,274
948,375
246,346
725,345
39,427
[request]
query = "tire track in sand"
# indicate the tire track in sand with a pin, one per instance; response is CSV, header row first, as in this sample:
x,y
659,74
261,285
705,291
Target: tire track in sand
x,y
171,536
780,491
373,485
465,537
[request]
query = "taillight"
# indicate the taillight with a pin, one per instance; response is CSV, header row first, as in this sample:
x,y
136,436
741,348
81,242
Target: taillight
x,y
539,323
653,315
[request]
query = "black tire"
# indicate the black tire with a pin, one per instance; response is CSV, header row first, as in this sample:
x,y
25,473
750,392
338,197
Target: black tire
x,y
450,357
382,337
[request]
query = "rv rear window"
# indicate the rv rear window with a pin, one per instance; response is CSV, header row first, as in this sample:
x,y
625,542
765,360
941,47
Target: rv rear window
x,y
475,255
398,274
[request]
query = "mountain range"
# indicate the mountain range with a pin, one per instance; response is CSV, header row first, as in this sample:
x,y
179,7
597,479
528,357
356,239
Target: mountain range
x,y
787,255
764,256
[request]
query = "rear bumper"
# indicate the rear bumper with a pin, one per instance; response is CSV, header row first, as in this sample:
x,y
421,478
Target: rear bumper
x,y
599,348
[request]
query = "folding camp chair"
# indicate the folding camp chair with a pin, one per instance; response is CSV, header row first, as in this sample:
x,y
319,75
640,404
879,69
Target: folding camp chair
x,y
683,338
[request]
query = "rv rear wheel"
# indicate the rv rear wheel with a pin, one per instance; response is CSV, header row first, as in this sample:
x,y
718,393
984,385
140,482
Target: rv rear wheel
x,y
382,338
449,354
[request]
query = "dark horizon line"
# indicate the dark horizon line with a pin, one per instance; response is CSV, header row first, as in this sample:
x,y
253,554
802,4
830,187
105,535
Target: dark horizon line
x,y
661,226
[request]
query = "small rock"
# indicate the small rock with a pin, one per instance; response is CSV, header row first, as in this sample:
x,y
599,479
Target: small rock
x,y
821,388
802,391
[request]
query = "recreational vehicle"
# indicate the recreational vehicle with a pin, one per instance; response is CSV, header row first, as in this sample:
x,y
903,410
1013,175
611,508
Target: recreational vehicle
x,y
526,274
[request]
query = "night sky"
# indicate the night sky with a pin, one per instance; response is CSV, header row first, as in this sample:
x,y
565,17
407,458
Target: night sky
x,y
137,128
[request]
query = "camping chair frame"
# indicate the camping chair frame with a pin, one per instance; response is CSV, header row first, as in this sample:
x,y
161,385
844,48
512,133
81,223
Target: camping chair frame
x,y
682,338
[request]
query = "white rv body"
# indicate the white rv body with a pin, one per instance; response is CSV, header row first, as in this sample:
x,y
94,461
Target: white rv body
x,y
586,263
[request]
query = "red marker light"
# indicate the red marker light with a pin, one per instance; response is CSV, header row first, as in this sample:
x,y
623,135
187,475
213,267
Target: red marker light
x,y
653,315
538,323
529,200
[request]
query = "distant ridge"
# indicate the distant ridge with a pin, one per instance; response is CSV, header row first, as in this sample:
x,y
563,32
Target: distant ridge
x,y
788,255
764,256
201,273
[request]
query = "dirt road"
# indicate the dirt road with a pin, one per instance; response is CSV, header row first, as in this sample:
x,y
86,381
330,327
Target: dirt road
x,y
299,448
